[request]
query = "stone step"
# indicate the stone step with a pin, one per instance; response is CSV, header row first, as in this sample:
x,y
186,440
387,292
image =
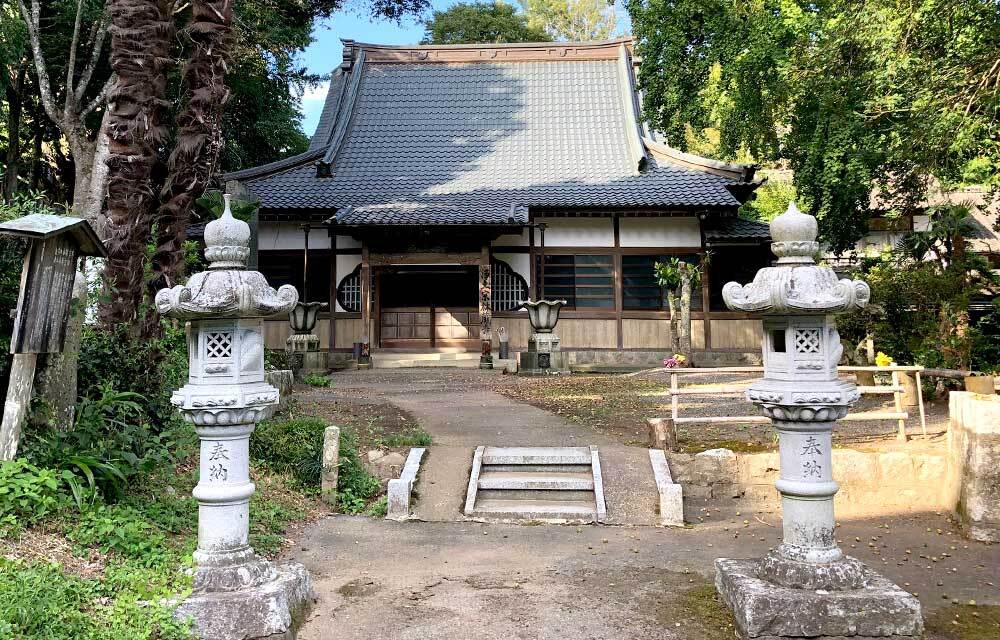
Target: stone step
x,y
433,355
547,469
576,511
512,480
537,495
465,363
536,455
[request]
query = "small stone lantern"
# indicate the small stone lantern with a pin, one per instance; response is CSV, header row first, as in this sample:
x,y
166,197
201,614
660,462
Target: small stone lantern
x,y
806,586
236,594
544,355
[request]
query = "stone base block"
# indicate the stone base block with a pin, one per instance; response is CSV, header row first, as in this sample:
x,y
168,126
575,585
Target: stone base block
x,y
534,363
314,362
272,610
766,611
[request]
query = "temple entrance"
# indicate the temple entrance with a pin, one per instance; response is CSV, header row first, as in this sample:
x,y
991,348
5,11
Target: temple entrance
x,y
428,307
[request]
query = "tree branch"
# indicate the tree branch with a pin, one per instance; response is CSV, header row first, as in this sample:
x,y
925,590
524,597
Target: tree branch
x,y
95,55
99,99
44,86
70,103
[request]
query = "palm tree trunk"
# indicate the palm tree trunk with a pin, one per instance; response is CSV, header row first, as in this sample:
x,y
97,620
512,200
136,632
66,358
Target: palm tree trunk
x,y
674,307
684,328
140,44
199,139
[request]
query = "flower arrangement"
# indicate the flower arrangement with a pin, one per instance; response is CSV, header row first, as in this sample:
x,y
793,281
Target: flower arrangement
x,y
674,361
882,360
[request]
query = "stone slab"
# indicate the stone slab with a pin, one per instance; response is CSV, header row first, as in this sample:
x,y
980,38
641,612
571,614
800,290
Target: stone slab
x,y
331,465
513,480
273,610
671,494
400,490
470,496
765,611
602,509
536,455
547,510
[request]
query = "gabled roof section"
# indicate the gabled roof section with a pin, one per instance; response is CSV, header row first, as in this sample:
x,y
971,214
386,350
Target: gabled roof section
x,y
479,134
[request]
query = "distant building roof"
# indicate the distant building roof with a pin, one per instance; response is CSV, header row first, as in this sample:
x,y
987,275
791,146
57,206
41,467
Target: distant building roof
x,y
736,231
478,134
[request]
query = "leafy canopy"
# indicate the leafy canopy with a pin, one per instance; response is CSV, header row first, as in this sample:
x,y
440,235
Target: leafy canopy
x,y
572,20
481,22
882,95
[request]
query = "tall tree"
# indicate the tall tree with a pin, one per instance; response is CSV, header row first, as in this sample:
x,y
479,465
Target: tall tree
x,y
882,95
481,22
573,20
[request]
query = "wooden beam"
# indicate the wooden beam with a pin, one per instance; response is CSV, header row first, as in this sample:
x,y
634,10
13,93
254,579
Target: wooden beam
x,y
366,306
333,290
418,257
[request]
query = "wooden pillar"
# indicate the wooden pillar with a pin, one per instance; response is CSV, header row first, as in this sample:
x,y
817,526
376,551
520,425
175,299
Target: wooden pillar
x,y
706,295
366,308
616,262
333,290
485,309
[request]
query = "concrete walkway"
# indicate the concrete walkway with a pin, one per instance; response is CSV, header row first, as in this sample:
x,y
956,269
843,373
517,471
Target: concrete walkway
x,y
461,415
456,580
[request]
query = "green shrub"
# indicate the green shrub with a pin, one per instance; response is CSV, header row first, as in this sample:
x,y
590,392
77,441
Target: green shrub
x,y
291,446
414,436
122,530
316,380
355,486
29,493
276,359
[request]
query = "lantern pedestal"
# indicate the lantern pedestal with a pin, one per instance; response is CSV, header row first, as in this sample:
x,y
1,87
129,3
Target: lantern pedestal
x,y
806,587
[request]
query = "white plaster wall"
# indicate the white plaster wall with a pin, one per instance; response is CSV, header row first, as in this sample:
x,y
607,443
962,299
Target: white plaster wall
x,y
578,232
513,240
519,262
288,235
347,242
345,265
659,232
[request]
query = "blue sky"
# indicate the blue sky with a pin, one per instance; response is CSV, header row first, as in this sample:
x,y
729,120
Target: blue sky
x,y
325,53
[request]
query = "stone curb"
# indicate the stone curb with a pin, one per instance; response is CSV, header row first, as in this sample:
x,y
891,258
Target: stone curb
x,y
671,493
400,490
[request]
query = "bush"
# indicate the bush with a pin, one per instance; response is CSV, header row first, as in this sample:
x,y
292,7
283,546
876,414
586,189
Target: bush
x,y
355,486
316,380
122,530
29,493
291,446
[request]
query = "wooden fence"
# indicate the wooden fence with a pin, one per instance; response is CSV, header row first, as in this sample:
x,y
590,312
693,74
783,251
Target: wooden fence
x,y
895,388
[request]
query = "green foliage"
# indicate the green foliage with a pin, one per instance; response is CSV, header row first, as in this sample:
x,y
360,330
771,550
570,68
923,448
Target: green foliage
x,y
415,436
854,96
292,446
316,380
122,530
770,200
211,205
379,508
674,271
481,22
29,493
38,601
276,359
268,522
572,20
986,341
355,486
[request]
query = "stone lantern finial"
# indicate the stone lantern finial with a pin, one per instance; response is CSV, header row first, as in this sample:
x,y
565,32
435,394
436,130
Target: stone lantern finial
x,y
227,241
794,237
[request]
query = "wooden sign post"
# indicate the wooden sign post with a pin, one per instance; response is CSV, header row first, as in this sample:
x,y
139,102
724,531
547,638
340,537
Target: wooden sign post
x,y
43,306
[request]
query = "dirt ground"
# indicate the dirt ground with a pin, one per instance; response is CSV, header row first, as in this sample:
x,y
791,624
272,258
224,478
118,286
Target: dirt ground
x,y
470,580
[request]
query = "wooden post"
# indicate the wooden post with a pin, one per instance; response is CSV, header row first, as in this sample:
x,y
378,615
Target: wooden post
x,y
673,397
898,400
485,309
662,434
15,410
366,308
920,404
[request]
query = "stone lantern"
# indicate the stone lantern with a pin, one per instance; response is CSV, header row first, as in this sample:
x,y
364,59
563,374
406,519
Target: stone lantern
x,y
236,594
543,355
807,586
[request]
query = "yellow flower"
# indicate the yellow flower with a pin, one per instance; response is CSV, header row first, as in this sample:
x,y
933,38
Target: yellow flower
x,y
882,360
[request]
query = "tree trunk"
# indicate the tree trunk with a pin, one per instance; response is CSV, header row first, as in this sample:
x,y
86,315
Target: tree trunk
x,y
684,328
140,39
14,94
673,307
15,409
199,139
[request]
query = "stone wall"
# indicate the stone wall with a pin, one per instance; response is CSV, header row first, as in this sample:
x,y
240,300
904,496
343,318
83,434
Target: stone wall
x,y
871,482
974,450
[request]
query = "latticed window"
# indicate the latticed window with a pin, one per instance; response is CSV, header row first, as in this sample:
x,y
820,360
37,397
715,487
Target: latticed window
x,y
584,281
218,344
349,291
509,288
807,341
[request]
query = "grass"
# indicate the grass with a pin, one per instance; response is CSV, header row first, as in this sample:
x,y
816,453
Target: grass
x,y
965,622
699,611
316,380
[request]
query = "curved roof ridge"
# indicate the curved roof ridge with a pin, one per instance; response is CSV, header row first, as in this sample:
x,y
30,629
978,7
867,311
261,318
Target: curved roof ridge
x,y
275,167
614,42
732,170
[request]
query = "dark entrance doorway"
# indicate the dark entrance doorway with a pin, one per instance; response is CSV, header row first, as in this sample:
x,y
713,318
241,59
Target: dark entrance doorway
x,y
428,307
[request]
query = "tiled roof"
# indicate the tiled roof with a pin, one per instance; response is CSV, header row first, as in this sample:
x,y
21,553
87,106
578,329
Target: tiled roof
x,y
736,229
479,143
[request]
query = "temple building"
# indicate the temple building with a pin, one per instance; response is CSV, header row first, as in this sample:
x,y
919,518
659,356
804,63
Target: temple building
x,y
446,184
